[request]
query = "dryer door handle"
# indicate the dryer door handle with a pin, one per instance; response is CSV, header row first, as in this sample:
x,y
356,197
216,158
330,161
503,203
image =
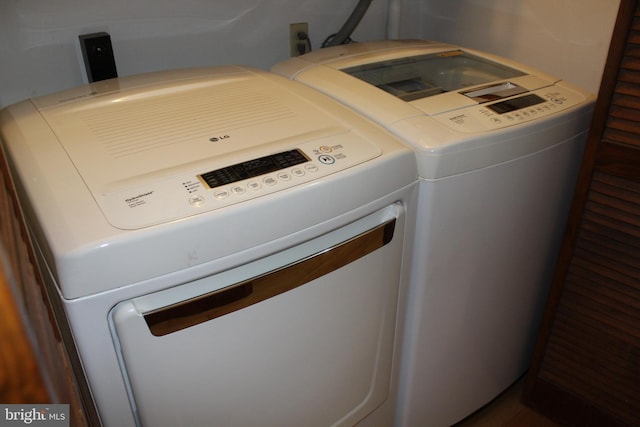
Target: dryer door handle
x,y
235,297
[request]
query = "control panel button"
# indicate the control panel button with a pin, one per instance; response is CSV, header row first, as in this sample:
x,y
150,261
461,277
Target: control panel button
x,y
284,176
238,189
311,168
221,194
269,180
254,185
196,201
326,159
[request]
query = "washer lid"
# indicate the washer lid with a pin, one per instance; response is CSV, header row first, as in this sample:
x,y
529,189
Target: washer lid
x,y
421,76
424,77
144,149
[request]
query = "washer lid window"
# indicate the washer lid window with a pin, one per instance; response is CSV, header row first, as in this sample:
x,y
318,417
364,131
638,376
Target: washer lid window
x,y
422,76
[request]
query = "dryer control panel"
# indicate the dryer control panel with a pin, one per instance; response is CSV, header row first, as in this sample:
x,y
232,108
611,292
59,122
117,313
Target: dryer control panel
x,y
224,183
156,148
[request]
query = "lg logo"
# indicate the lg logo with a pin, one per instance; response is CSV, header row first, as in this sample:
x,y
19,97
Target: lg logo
x,y
219,138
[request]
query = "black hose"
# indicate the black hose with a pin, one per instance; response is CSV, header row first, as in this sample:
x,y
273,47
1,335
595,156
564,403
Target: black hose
x,y
350,24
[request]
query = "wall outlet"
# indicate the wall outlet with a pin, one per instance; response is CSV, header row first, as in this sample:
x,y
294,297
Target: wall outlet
x,y
299,41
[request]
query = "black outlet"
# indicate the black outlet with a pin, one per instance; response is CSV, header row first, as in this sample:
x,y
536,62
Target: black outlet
x,y
97,53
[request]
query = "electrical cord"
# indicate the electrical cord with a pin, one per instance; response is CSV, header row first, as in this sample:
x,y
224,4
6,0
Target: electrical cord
x,y
328,40
344,35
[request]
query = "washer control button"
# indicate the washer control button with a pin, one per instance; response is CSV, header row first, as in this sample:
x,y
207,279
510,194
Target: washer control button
x,y
196,201
221,194
269,180
254,185
284,176
326,159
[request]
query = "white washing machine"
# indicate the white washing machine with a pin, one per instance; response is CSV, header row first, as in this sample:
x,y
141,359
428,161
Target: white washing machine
x,y
221,247
498,146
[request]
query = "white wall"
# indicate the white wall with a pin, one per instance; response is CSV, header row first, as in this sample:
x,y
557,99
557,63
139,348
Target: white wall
x,y
40,51
567,38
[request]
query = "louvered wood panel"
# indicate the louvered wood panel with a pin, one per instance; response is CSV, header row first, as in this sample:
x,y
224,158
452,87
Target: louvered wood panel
x,y
586,368
623,124
594,350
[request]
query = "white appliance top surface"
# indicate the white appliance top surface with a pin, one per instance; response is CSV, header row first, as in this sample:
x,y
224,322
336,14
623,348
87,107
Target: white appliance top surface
x,y
112,169
460,109
422,77
134,143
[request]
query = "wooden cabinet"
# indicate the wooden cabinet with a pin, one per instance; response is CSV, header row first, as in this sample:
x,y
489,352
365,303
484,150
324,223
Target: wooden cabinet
x,y
22,270
586,367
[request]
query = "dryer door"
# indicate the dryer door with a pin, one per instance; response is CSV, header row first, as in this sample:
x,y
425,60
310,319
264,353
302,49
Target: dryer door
x,y
304,337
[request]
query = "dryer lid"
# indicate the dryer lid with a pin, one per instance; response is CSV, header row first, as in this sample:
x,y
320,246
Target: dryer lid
x,y
142,148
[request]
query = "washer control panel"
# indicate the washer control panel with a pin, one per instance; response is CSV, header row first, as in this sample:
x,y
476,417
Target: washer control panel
x,y
224,183
511,111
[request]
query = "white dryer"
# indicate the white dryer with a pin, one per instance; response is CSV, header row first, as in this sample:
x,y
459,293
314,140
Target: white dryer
x,y
498,146
221,247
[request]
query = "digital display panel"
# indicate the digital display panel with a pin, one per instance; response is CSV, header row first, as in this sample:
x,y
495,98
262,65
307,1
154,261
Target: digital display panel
x,y
253,168
516,104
